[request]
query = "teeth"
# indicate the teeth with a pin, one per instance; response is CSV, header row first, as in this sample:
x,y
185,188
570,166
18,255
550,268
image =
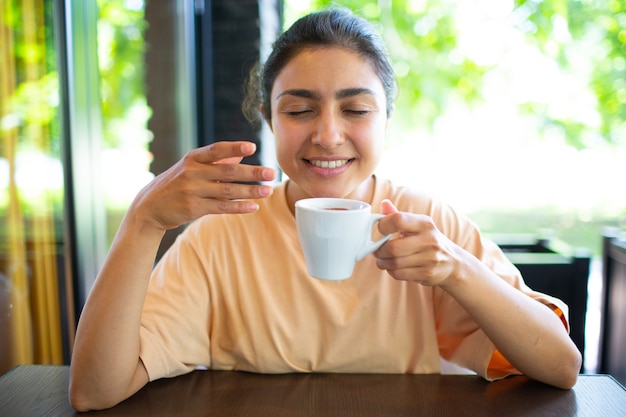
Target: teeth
x,y
329,164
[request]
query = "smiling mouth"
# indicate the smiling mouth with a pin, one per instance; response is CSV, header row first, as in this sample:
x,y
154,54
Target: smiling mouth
x,y
329,164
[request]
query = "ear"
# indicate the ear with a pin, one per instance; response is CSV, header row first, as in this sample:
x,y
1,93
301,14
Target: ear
x,y
267,119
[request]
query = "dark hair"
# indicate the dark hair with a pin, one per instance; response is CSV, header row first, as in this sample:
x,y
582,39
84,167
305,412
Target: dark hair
x,y
334,27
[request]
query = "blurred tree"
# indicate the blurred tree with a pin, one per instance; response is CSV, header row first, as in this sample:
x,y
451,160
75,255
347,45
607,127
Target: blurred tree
x,y
434,68
121,47
600,27
29,102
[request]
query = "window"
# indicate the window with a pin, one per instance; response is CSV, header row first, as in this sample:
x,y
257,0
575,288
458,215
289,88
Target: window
x,y
32,280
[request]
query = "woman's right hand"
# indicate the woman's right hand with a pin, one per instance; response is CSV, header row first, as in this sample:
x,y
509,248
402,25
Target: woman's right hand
x,y
207,180
106,367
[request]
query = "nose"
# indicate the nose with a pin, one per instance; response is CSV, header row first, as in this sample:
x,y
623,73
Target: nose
x,y
328,133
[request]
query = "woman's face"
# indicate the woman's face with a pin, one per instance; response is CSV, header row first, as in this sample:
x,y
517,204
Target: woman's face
x,y
329,121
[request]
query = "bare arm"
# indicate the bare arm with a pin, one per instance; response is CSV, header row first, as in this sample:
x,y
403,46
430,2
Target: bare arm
x,y
527,332
105,367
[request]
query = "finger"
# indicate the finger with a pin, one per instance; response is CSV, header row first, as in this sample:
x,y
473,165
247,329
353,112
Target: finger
x,y
231,207
410,274
235,191
392,222
231,160
401,248
225,173
421,266
219,198
264,173
223,151
405,223
216,162
387,207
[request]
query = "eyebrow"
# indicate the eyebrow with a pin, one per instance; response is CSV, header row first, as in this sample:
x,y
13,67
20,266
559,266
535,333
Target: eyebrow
x,y
344,93
351,92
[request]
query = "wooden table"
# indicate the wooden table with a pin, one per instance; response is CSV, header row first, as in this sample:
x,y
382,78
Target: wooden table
x,y
35,391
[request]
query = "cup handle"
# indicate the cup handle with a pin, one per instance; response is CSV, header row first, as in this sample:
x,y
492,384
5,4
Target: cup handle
x,y
369,245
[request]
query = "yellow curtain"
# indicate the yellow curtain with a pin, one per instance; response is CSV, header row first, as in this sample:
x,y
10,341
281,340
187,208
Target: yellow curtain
x,y
31,328
44,290
16,321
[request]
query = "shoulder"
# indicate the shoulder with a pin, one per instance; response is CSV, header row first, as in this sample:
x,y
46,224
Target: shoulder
x,y
413,200
450,221
404,197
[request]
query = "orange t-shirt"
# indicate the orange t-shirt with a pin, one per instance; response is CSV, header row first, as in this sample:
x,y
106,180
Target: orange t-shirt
x,y
233,293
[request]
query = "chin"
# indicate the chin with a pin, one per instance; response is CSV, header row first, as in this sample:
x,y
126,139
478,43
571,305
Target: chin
x,y
331,194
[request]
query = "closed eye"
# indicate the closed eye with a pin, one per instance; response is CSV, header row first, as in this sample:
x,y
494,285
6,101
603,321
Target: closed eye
x,y
297,113
358,112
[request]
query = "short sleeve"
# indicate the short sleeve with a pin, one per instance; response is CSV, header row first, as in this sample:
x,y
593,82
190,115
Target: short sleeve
x,y
174,335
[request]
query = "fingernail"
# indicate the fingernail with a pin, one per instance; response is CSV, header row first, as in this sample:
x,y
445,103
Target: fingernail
x,y
248,148
265,191
267,174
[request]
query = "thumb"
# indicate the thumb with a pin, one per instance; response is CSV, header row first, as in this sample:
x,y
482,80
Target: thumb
x,y
387,207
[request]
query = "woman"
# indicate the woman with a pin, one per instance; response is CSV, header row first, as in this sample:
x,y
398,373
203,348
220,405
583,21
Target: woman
x,y
233,292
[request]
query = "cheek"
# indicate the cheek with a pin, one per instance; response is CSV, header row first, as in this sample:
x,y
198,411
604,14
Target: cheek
x,y
282,150
287,144
371,138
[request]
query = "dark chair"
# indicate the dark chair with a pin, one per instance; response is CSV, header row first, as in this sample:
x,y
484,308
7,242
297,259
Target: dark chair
x,y
554,268
613,332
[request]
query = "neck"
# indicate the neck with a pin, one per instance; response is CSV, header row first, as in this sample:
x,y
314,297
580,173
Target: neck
x,y
364,192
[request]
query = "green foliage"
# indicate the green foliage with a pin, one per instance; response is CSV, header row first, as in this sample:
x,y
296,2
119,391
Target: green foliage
x,y
423,38
29,112
121,50
121,47
31,108
560,27
422,41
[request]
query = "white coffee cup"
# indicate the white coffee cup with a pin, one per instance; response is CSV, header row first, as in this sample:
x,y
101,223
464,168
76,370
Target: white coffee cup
x,y
334,234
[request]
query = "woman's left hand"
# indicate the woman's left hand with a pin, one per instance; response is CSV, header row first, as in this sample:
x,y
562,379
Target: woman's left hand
x,y
521,328
419,251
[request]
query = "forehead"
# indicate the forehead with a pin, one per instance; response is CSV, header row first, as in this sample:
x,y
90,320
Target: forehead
x,y
327,69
